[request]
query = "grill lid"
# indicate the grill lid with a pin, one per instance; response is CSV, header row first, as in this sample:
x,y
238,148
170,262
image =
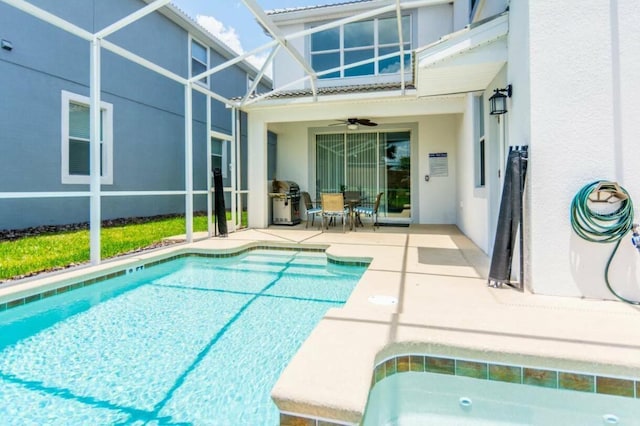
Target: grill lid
x,y
284,186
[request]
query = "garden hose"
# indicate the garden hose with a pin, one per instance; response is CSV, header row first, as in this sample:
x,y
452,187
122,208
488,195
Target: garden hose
x,y
604,227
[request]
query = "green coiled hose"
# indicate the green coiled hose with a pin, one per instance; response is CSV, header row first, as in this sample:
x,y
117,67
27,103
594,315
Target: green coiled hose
x,y
603,227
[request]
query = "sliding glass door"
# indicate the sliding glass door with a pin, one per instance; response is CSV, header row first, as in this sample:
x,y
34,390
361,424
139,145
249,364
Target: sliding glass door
x,y
370,163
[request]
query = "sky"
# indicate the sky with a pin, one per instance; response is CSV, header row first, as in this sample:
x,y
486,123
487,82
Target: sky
x,y
231,21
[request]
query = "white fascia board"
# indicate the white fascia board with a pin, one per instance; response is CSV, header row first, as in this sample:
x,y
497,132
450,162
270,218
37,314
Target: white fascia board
x,y
462,41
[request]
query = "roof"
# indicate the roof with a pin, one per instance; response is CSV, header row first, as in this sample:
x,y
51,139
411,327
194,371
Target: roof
x,y
319,6
336,90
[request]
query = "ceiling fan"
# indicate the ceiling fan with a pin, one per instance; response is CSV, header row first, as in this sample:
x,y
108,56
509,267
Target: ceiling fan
x,y
352,123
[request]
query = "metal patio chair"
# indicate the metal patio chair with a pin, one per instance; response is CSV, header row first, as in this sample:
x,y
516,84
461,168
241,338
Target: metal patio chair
x,y
333,208
312,210
370,211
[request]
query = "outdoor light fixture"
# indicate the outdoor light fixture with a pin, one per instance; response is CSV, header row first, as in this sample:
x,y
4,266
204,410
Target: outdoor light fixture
x,y
6,45
498,101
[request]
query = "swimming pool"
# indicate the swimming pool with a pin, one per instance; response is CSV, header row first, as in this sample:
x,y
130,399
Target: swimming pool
x,y
195,340
421,398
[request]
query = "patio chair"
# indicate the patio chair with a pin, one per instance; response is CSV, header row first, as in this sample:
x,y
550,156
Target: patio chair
x,y
312,210
333,208
370,211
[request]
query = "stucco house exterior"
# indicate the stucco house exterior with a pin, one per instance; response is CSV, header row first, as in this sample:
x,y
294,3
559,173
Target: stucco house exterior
x,y
44,112
573,104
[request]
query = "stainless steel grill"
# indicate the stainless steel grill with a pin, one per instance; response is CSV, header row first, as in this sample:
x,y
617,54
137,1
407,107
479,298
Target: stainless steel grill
x,y
285,201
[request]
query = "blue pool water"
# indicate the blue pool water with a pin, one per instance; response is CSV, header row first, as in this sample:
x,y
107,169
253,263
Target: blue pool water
x,y
192,341
425,399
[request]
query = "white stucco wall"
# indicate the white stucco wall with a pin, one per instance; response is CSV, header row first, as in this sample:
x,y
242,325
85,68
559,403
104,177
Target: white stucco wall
x,y
293,150
585,63
472,202
437,198
285,68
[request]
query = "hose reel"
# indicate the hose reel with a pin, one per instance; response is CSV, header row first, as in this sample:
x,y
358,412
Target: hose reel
x,y
602,212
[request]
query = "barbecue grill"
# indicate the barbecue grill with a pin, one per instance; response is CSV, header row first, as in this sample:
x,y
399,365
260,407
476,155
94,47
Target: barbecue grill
x,y
285,201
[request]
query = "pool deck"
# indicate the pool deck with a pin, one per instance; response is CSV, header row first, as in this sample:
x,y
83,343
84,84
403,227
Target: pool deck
x,y
444,308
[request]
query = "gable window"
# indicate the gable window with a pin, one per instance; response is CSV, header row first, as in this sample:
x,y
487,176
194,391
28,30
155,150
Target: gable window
x,y
76,136
374,39
199,61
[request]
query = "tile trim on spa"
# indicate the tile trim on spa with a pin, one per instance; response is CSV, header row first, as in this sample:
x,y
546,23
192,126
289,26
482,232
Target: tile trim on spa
x,y
517,374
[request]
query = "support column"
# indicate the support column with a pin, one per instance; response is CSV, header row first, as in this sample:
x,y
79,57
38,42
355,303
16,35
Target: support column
x,y
257,159
94,157
188,162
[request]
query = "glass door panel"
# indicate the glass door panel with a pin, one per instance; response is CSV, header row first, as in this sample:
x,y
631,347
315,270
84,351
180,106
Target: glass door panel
x,y
362,164
395,176
329,163
369,163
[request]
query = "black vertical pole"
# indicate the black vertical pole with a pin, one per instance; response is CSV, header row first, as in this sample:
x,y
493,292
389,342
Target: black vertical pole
x,y
220,211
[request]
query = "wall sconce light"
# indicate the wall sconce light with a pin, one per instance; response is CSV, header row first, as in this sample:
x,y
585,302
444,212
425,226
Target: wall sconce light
x,y
6,45
498,101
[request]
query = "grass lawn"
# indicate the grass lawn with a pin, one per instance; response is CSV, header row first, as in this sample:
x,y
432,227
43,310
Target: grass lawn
x,y
53,251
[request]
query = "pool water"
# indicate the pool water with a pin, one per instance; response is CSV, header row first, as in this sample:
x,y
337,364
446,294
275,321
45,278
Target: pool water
x,y
192,341
423,399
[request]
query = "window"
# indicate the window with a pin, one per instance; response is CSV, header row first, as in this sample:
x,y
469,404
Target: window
x,y
480,156
374,39
219,156
199,61
75,140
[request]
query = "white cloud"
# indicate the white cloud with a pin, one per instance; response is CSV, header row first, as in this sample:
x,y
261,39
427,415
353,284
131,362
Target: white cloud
x,y
229,36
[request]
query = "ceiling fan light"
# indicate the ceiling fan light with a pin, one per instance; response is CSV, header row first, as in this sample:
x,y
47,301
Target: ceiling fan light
x,y
352,126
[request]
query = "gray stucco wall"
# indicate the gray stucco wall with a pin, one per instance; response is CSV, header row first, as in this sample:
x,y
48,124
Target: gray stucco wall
x,y
148,112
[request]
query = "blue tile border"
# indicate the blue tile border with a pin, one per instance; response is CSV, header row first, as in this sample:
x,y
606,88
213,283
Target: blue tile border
x,y
524,375
80,284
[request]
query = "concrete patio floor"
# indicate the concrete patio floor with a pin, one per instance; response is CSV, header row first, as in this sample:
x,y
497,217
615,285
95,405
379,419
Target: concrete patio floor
x,y
444,307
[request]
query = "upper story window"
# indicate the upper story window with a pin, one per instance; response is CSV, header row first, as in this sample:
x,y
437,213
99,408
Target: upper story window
x,y
375,39
199,61
76,136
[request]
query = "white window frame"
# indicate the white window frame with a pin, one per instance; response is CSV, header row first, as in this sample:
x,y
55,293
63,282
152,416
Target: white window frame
x,y
376,49
107,140
224,156
192,40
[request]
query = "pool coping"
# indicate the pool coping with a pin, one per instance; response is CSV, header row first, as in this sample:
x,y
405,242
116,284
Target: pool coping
x,y
30,290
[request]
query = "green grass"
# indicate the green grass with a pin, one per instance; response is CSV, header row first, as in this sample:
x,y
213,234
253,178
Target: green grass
x,y
53,251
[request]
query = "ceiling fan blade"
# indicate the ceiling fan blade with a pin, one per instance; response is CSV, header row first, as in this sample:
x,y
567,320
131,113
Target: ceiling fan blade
x,y
367,122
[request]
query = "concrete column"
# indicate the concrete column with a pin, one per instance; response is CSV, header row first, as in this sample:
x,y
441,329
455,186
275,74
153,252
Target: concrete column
x,y
257,163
